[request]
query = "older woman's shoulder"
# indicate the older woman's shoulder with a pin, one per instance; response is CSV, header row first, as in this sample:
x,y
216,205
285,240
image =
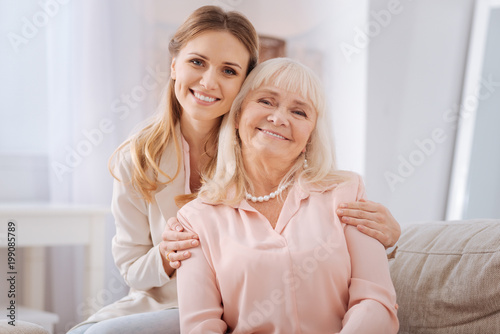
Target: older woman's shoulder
x,y
337,179
200,206
347,175
200,215
353,184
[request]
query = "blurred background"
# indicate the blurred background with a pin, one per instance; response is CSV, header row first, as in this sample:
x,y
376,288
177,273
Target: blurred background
x,y
412,89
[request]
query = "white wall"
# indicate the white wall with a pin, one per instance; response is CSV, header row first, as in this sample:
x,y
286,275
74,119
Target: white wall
x,y
415,74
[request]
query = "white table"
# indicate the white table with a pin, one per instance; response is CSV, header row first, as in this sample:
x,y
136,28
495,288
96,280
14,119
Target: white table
x,y
41,225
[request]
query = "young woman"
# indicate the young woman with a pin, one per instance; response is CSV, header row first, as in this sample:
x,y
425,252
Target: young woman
x,y
212,53
274,256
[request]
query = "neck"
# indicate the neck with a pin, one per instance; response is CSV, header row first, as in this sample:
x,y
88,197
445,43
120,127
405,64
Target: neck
x,y
197,133
265,176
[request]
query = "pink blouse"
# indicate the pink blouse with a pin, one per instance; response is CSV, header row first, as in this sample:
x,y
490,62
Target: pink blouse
x,y
310,274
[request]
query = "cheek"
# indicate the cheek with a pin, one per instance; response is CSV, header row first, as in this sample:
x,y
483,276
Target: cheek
x,y
306,134
233,88
177,88
245,127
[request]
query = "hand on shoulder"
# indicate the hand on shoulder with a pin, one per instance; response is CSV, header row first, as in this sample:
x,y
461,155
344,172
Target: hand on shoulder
x,y
175,244
371,218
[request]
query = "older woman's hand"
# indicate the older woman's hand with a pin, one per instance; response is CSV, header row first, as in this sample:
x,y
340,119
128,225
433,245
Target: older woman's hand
x,y
373,219
175,243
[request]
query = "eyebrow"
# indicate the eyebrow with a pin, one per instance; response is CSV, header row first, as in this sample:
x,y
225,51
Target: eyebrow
x,y
274,93
206,58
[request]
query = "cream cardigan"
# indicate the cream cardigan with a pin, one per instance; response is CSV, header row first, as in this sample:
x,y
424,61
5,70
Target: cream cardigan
x,y
135,246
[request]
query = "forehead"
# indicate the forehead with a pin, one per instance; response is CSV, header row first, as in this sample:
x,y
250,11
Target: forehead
x,y
218,46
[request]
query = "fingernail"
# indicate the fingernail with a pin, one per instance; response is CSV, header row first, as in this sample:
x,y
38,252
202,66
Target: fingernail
x,y
345,219
178,228
340,211
185,253
194,237
343,205
194,242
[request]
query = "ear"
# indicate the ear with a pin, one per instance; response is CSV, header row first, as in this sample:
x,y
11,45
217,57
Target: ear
x,y
305,147
172,69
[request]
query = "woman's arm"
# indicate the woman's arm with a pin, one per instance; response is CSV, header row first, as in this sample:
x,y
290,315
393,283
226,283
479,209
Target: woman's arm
x,y
372,298
200,302
373,219
139,261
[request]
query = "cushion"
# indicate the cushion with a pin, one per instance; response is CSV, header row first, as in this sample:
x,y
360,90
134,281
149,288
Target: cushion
x,y
21,327
447,277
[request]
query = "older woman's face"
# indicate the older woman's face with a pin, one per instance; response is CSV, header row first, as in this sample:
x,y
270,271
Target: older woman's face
x,y
275,123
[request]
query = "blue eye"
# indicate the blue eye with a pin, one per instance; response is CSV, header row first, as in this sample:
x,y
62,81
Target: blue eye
x,y
229,71
300,113
196,62
266,102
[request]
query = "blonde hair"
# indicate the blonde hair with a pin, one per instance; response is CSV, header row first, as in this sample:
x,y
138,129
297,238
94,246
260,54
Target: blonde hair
x,y
229,181
147,146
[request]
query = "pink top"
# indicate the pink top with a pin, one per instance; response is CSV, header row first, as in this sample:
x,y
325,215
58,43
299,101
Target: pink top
x,y
311,274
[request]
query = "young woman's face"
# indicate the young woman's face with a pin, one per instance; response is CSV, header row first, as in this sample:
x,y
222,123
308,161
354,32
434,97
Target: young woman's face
x,y
208,72
275,123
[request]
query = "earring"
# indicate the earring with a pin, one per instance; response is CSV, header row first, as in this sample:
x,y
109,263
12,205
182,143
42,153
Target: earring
x,y
305,163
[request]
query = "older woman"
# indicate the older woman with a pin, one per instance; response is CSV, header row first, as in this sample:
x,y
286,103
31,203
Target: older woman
x,y
274,256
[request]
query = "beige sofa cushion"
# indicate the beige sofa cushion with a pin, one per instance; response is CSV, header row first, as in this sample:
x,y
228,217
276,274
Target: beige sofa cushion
x,y
21,327
447,277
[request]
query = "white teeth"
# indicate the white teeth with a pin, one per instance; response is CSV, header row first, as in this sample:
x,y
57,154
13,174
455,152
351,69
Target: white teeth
x,y
204,98
273,134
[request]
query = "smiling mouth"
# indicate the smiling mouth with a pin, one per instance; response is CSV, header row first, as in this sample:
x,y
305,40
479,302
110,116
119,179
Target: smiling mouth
x,y
273,134
204,98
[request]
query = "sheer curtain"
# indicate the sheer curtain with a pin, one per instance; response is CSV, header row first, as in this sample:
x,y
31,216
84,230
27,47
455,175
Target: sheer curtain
x,y
102,81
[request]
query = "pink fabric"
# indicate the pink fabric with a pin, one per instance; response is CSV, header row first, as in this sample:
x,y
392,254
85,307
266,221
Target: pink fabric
x,y
311,274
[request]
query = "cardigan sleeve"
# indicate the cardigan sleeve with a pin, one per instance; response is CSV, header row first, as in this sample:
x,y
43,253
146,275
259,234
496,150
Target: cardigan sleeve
x,y
200,301
138,260
372,298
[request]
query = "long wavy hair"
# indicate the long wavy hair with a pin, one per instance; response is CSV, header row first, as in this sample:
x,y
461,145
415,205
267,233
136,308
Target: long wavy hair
x,y
228,182
147,145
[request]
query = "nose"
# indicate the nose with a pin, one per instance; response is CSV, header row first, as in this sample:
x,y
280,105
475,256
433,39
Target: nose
x,y
209,79
279,117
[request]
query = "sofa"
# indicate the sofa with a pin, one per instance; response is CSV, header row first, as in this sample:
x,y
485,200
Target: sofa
x,y
447,277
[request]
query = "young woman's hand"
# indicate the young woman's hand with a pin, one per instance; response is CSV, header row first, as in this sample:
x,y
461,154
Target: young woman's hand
x,y
371,218
175,245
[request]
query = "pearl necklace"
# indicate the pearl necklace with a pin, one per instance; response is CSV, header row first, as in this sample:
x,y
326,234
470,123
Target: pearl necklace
x,y
267,197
